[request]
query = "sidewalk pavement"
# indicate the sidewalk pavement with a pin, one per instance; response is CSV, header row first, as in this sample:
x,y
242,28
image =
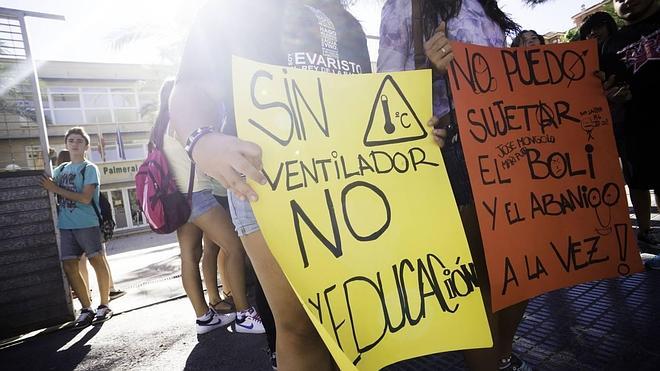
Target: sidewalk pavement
x,y
602,325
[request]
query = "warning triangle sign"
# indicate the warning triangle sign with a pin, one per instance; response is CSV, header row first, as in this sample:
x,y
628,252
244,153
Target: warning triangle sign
x,y
392,119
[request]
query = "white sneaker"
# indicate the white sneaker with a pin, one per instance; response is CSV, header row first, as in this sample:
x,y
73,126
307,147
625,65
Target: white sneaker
x,y
273,360
214,320
249,322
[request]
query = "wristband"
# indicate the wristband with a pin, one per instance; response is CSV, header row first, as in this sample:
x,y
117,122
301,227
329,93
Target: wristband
x,y
194,138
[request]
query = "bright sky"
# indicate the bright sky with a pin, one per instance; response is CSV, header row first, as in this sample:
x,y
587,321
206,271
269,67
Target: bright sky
x,y
91,25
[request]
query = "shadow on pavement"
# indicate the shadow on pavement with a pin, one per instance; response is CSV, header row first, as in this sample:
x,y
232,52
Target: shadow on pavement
x,y
22,357
226,350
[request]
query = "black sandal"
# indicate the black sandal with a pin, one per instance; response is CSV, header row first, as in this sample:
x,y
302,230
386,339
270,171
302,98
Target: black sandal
x,y
226,305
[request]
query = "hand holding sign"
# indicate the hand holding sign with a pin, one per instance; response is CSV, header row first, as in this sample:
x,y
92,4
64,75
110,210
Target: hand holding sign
x,y
47,183
438,50
439,126
615,93
225,158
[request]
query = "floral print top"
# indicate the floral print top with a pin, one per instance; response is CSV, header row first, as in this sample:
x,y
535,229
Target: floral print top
x,y
396,52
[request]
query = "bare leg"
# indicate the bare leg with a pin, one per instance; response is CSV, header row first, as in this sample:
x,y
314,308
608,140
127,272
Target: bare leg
x,y
216,223
299,346
223,260
210,269
112,282
509,319
102,277
641,200
82,265
485,358
190,243
72,271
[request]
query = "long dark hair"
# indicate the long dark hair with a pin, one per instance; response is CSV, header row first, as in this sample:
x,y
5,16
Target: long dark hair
x,y
596,20
163,118
448,9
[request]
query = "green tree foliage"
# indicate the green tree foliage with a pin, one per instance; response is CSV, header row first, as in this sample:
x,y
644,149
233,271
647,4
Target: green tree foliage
x,y
571,35
609,8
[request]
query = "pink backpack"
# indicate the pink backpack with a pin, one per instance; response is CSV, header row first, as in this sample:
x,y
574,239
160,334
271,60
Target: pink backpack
x,y
163,206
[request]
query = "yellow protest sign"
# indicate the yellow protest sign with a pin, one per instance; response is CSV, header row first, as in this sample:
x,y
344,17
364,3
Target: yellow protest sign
x,y
358,211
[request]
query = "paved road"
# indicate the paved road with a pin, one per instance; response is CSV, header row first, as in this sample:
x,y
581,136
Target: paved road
x,y
161,337
153,327
608,324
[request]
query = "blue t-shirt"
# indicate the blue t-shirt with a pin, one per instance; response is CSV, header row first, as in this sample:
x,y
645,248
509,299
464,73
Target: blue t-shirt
x,y
73,214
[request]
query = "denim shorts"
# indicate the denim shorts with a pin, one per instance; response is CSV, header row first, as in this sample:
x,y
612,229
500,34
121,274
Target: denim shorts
x,y
75,242
242,215
202,202
222,200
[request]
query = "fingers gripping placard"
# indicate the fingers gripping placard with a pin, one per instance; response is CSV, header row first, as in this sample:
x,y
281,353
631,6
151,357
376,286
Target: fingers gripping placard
x,y
538,141
359,213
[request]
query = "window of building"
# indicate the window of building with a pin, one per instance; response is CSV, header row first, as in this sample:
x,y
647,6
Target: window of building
x,y
67,117
66,100
126,115
95,105
134,151
96,100
111,153
98,116
35,158
125,208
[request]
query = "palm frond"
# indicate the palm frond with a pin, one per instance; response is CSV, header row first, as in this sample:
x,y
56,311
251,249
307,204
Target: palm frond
x,y
535,2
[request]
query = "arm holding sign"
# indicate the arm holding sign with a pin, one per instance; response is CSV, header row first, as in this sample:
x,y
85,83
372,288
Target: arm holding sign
x,y
203,87
614,92
438,50
396,54
221,156
84,197
439,126
396,50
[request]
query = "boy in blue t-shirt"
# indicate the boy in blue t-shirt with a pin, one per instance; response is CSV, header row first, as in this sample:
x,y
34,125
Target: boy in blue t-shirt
x,y
76,184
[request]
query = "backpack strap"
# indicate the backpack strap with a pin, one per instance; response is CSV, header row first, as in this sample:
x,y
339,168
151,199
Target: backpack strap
x,y
156,140
96,210
418,34
191,180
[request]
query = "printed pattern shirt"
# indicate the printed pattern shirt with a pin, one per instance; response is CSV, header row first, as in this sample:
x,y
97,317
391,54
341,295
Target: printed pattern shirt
x,y
72,214
396,50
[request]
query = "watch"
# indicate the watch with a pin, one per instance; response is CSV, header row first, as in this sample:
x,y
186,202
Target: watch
x,y
194,137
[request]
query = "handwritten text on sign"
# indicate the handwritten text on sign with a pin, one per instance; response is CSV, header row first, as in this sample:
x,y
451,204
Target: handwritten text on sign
x,y
359,213
540,151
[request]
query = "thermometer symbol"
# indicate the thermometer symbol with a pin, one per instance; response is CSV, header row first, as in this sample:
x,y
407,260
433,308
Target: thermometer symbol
x,y
389,126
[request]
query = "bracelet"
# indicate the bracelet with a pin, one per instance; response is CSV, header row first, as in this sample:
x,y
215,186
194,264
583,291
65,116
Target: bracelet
x,y
194,138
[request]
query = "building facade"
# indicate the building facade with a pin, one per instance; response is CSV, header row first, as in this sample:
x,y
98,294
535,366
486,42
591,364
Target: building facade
x,y
554,37
115,103
579,18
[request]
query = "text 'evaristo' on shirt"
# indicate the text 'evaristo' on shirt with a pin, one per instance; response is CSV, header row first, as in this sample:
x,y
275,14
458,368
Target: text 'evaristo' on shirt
x,y
305,34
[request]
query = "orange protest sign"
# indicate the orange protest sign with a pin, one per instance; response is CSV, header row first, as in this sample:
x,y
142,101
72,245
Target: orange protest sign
x,y
538,141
